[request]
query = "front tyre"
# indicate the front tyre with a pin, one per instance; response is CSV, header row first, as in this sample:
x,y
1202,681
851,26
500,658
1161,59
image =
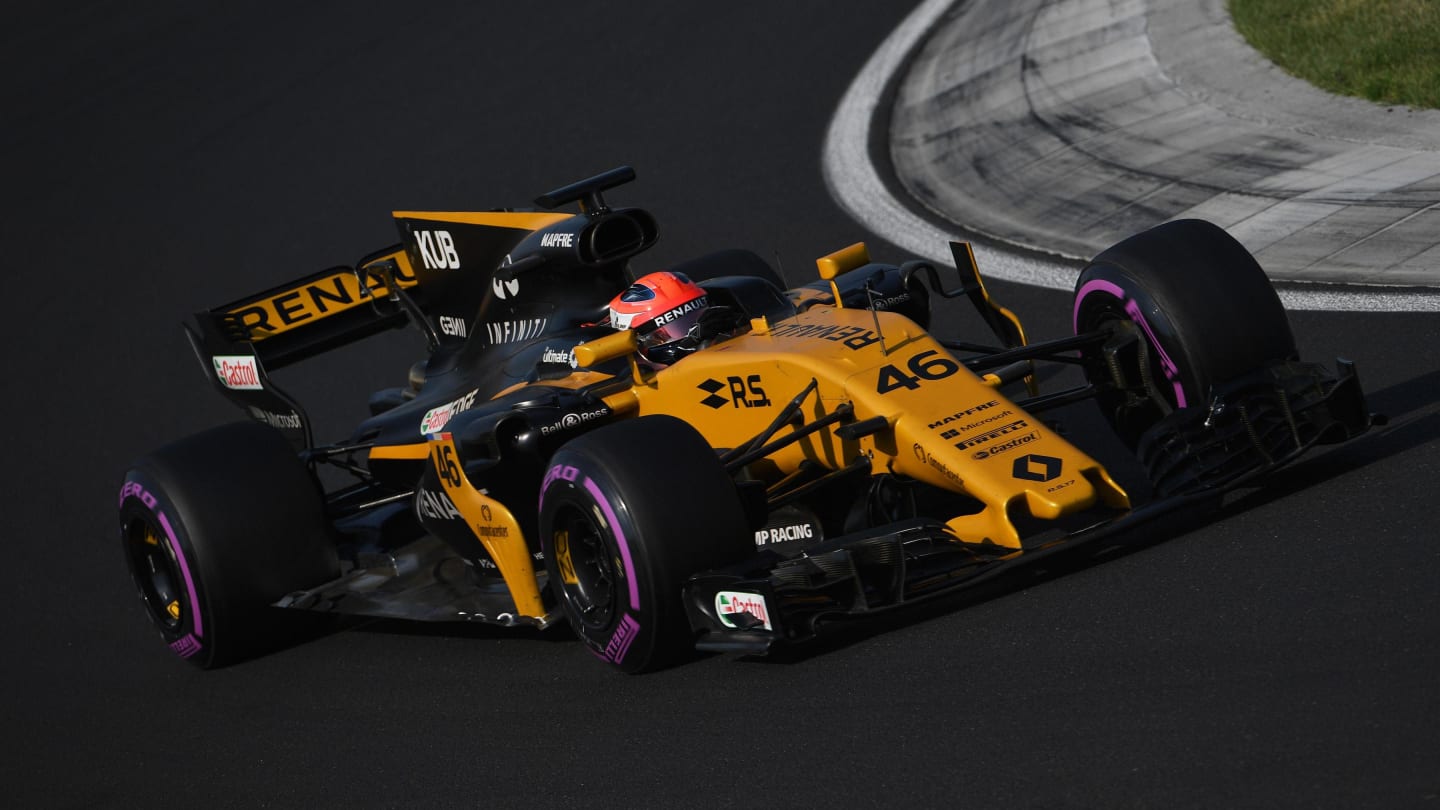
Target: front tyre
x,y
217,527
627,513
1189,308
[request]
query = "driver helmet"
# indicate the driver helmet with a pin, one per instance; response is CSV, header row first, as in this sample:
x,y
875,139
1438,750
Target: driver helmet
x,y
660,308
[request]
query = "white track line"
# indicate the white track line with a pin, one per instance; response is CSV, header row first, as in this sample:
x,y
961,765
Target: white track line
x,y
855,184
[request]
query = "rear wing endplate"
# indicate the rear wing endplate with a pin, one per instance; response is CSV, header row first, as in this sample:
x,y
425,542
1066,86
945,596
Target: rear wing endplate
x,y
238,344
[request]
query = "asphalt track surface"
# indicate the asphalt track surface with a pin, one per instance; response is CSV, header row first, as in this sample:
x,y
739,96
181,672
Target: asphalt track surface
x,y
1280,652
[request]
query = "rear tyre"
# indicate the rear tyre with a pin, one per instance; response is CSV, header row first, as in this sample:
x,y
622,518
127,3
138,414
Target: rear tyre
x,y
1190,308
217,527
627,513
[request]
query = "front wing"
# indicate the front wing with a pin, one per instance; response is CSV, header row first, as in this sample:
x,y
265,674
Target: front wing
x,y
768,600
1251,428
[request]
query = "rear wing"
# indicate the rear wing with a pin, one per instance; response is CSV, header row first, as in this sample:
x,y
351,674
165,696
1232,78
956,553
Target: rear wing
x,y
316,313
444,267
452,274
238,343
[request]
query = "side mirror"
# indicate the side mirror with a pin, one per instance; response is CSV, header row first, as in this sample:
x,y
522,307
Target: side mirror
x,y
841,261
620,344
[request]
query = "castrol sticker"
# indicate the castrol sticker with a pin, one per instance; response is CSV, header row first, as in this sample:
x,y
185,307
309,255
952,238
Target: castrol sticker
x,y
237,372
437,418
729,603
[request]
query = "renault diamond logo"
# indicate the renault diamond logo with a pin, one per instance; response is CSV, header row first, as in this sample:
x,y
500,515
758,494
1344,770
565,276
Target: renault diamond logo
x,y
711,387
1037,468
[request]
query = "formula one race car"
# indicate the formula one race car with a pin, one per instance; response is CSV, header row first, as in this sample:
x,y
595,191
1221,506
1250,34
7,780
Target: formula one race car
x,y
803,455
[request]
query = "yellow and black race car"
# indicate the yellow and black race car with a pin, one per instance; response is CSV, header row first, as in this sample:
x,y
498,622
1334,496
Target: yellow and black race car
x,y
810,454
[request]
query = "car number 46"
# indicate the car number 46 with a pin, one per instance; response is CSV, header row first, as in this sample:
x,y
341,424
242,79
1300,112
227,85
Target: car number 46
x,y
927,365
445,466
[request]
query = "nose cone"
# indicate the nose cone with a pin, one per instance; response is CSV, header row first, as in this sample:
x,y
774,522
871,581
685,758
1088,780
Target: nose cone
x,y
1048,493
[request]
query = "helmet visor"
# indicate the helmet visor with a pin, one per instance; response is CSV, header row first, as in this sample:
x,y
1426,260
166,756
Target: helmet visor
x,y
674,324
675,329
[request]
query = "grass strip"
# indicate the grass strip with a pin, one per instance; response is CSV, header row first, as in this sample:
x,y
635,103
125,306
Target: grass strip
x,y
1387,51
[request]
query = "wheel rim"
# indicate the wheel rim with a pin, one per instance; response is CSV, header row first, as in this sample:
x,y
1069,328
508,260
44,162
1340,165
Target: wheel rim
x,y
157,574
1131,409
588,568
